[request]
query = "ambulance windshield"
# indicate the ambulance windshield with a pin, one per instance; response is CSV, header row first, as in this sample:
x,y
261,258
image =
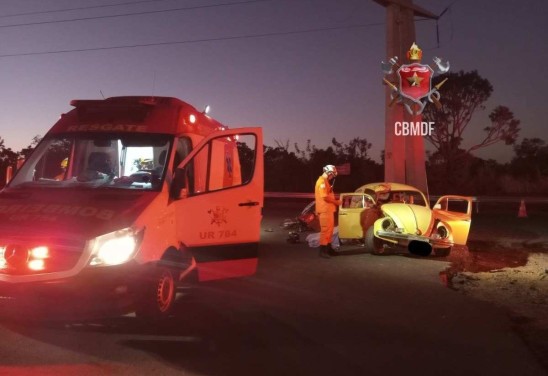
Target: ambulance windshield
x,y
101,160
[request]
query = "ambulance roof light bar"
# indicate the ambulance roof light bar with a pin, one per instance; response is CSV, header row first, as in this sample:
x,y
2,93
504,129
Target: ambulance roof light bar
x,y
151,101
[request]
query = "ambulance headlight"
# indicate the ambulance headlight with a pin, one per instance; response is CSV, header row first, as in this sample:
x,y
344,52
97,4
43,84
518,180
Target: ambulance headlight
x,y
116,247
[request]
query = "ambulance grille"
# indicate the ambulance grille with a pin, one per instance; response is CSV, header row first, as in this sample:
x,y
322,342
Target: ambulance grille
x,y
16,257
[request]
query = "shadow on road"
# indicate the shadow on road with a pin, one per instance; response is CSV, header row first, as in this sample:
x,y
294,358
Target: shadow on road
x,y
213,334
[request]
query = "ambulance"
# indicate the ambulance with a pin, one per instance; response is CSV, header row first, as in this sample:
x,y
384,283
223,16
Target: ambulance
x,y
125,199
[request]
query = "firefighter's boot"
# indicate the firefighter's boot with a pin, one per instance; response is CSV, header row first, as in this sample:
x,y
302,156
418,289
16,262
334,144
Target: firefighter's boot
x,y
330,250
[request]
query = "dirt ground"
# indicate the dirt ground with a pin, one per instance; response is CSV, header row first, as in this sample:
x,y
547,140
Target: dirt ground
x,y
506,263
521,289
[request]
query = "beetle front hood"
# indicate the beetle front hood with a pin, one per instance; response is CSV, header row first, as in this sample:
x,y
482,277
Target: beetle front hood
x,y
78,213
409,217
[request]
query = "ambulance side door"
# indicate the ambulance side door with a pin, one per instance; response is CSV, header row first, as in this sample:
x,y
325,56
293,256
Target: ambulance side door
x,y
218,194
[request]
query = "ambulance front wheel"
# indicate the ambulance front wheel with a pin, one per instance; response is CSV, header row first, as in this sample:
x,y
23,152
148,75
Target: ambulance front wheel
x,y
157,296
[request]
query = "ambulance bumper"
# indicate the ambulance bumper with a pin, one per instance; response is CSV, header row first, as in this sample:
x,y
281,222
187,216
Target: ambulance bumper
x,y
99,290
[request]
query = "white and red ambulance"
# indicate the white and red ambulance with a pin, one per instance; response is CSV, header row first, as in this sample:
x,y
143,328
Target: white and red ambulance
x,y
126,197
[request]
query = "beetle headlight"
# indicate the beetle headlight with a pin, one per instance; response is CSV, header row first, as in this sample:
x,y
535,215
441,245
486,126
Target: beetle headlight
x,y
387,224
116,247
442,232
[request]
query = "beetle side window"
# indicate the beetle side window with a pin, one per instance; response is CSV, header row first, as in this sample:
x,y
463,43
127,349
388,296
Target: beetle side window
x,y
357,201
454,205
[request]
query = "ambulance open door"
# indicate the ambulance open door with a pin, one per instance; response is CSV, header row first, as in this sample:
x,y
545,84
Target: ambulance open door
x,y
218,197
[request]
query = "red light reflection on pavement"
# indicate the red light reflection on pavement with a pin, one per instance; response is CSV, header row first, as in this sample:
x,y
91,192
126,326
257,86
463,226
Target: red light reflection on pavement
x,y
59,369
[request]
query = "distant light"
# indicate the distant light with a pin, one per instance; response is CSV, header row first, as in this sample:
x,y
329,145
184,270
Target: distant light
x,y
192,118
40,252
36,265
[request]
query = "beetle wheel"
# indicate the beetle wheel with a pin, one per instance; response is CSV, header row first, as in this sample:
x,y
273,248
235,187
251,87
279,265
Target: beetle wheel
x,y
442,252
373,245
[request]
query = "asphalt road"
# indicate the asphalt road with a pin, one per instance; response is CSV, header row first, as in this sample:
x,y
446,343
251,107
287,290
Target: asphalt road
x,y
354,314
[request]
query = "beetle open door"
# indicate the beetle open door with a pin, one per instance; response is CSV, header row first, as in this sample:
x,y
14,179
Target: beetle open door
x,y
456,211
218,193
353,214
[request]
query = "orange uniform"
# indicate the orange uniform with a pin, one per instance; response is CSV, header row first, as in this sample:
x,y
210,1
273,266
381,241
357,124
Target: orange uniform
x,y
326,205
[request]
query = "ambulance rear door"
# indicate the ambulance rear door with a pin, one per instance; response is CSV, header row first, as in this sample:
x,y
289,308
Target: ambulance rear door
x,y
218,196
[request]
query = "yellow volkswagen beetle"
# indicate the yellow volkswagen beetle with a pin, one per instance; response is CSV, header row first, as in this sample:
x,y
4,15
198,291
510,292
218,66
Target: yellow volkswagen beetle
x,y
385,214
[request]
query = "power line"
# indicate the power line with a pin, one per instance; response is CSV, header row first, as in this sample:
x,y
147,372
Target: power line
x,y
189,41
135,13
79,8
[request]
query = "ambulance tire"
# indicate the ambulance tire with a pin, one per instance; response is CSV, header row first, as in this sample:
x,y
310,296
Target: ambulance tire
x,y
373,245
156,297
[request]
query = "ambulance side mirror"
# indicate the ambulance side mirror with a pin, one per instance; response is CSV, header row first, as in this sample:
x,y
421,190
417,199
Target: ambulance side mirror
x,y
178,185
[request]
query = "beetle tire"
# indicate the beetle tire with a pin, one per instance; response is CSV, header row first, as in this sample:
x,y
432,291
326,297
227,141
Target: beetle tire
x,y
442,252
372,244
157,295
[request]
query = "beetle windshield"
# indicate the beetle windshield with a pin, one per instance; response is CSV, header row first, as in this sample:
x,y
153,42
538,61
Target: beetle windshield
x,y
406,197
135,161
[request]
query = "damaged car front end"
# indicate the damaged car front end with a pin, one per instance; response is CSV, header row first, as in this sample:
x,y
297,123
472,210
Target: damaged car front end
x,y
392,214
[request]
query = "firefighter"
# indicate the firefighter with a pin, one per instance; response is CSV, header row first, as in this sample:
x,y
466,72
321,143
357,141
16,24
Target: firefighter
x,y
326,205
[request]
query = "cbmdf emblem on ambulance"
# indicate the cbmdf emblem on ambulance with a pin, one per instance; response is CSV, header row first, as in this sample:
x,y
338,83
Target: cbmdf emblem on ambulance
x,y
414,88
218,215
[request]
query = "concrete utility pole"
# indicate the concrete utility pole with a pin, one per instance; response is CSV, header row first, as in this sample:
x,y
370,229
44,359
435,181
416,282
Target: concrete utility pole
x,y
404,156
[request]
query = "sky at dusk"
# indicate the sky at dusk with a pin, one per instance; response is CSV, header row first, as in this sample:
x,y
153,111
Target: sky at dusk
x,y
250,63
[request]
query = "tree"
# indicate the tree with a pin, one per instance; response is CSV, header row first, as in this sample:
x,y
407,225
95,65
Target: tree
x,y
298,171
7,158
357,148
283,170
462,95
531,159
363,169
25,153
504,127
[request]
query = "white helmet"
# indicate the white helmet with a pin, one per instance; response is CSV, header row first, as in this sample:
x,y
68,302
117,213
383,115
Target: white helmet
x,y
330,169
